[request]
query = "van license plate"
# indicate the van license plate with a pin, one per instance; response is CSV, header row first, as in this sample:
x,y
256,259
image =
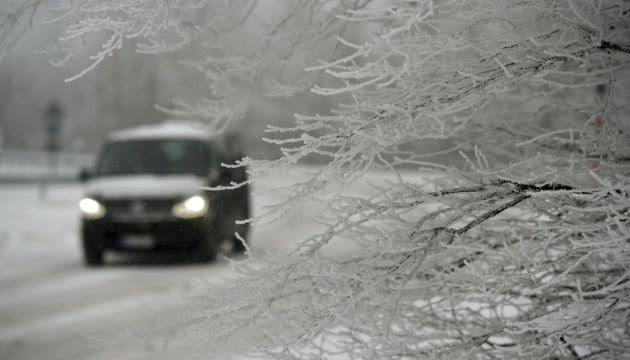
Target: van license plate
x,y
137,241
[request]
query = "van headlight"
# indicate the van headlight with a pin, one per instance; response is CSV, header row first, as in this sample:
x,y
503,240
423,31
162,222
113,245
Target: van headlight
x,y
91,209
192,207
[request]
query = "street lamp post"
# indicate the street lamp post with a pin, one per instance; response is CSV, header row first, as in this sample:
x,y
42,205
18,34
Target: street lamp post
x,y
53,121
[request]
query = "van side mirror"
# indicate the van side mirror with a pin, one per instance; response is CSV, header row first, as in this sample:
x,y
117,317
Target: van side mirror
x,y
233,174
84,175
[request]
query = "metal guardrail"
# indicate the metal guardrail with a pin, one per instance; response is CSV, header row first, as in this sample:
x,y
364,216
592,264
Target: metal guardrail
x,y
30,166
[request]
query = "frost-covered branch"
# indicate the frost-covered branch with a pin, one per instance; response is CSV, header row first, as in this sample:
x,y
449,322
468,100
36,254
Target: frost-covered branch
x,y
502,229
242,49
518,251
15,19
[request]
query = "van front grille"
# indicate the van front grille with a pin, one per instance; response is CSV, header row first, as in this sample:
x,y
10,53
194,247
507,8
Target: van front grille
x,y
139,208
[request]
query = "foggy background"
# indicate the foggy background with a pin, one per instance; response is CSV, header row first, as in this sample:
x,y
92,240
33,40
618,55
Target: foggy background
x,y
121,92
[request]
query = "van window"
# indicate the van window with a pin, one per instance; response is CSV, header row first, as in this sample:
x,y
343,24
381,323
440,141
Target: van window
x,y
161,157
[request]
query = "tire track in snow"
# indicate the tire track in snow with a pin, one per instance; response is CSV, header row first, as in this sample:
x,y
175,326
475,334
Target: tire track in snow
x,y
104,310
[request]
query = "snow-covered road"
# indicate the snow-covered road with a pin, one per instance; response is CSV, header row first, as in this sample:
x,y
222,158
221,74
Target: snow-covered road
x,y
136,307
52,307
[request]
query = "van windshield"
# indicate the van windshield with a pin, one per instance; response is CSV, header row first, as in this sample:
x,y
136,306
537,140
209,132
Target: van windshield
x,y
161,157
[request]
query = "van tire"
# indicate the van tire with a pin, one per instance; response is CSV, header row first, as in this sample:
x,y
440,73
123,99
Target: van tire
x,y
205,251
92,256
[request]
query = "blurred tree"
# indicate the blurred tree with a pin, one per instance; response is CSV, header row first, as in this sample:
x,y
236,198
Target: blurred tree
x,y
521,251
15,19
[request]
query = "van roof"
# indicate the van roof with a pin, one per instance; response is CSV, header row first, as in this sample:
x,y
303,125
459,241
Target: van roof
x,y
166,130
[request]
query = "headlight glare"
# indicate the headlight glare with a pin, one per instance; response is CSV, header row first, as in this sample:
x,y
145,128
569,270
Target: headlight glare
x,y
192,207
91,209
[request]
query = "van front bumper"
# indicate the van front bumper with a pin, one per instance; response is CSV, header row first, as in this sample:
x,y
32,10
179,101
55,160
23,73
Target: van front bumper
x,y
141,235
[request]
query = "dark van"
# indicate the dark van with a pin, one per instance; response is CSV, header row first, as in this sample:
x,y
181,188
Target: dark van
x,y
149,191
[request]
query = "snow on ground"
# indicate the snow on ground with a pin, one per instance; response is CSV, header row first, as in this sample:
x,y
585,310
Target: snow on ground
x,y
52,307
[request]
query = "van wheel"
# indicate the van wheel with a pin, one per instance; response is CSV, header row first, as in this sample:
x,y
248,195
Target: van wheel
x,y
93,256
204,252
